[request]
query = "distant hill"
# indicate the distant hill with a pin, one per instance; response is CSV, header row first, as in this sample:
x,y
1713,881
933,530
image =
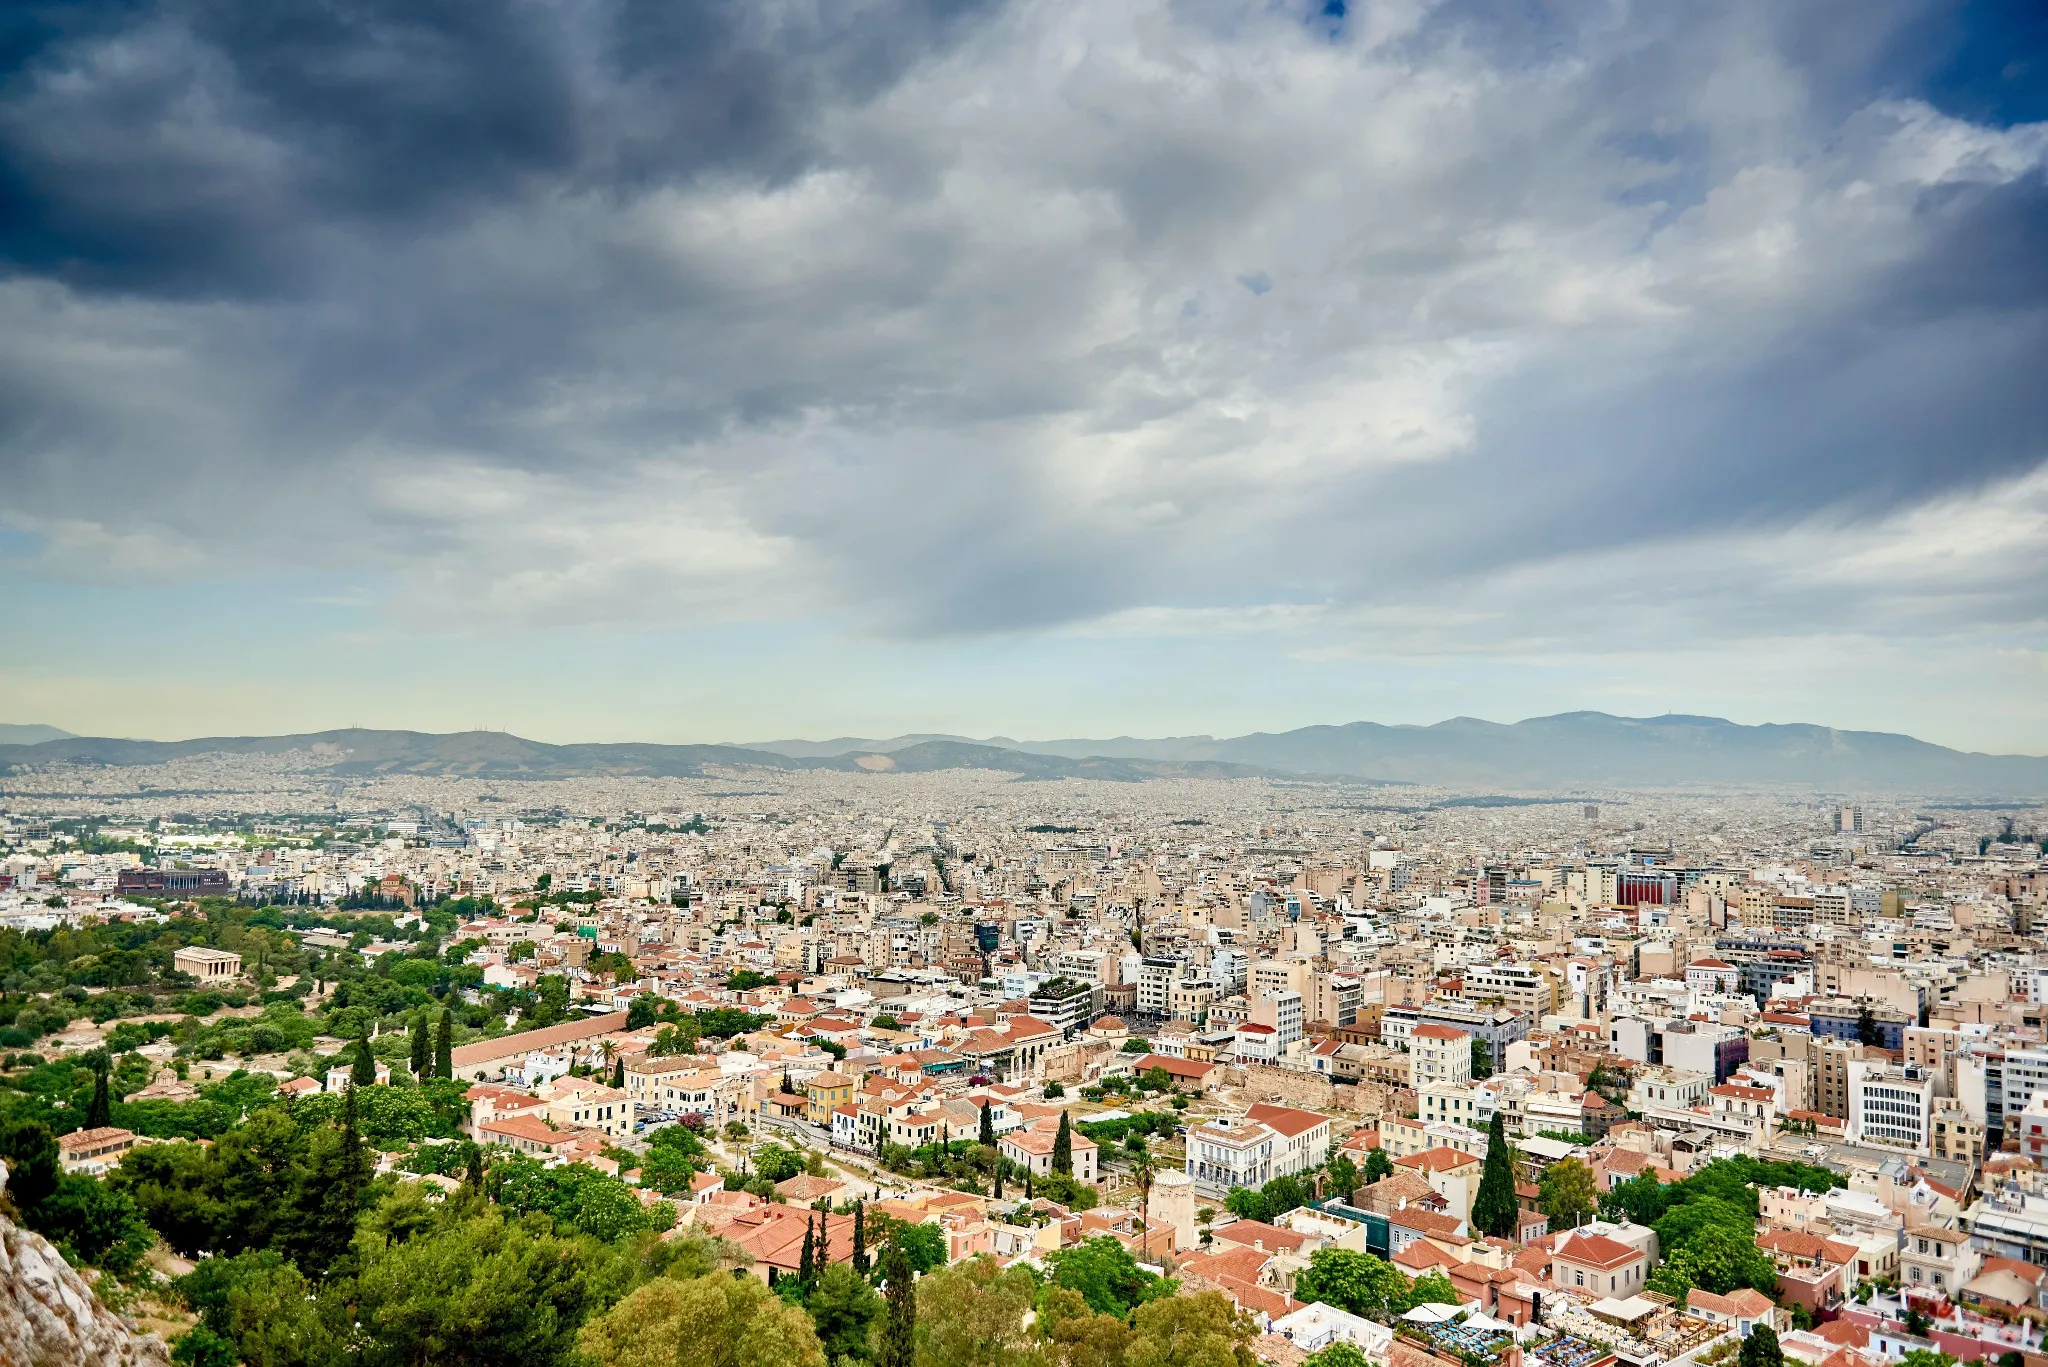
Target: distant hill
x,y
1572,751
472,754
495,754
29,735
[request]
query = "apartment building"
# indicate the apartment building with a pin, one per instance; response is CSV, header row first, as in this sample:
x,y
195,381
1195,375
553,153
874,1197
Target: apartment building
x,y
1439,1055
1891,1107
1528,988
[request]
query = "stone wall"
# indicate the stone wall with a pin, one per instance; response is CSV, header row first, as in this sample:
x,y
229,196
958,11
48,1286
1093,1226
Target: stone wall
x,y
1284,1086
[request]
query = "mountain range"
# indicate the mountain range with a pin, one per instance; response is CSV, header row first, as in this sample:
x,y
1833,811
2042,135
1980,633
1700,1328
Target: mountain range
x,y
1566,752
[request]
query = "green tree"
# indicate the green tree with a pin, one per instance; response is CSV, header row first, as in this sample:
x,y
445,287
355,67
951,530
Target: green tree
x,y
276,1322
1495,1211
844,1309
477,1288
1482,1060
988,1125
363,1072
972,1315
667,1170
1063,1147
328,1194
1721,1259
1342,1175
1076,1336
422,1060
30,1152
1866,1033
1338,1354
1106,1275
898,1337
95,1223
201,1347
1568,1193
923,1245
1641,1199
1203,1330
1377,1165
1760,1348
1433,1288
444,1046
709,1321
860,1237
1357,1283
99,1112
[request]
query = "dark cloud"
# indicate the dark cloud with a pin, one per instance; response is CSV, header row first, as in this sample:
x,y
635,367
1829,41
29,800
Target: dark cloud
x,y
932,317
197,146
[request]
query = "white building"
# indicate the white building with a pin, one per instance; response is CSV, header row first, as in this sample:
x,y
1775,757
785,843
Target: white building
x,y
1439,1055
1231,1153
1890,1107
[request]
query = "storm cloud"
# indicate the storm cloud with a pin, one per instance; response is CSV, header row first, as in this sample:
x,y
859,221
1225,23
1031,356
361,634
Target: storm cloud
x,y
929,319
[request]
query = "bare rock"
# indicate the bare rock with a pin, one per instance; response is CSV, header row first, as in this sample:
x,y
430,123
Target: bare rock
x,y
49,1316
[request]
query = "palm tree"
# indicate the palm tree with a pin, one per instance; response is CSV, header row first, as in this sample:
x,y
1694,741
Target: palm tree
x,y
1143,1177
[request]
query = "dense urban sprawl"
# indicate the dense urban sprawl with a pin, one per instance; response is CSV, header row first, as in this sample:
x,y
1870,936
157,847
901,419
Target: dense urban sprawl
x,y
864,1067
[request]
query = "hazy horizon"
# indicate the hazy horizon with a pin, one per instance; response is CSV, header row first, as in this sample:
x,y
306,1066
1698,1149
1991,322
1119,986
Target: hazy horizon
x,y
616,371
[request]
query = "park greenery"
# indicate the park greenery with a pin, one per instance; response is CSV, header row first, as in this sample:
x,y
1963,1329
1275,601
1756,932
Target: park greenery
x,y
306,1256
1706,1224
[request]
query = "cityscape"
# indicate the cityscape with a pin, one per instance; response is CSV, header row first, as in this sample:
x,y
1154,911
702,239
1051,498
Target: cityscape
x,y
1416,1072
1017,683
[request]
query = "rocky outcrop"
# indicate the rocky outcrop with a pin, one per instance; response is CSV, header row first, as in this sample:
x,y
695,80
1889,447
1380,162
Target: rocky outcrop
x,y
49,1316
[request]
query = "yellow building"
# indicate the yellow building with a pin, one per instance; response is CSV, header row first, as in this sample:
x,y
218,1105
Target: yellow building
x,y
825,1092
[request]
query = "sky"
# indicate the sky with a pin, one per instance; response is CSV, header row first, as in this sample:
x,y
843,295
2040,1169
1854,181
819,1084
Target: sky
x,y
647,369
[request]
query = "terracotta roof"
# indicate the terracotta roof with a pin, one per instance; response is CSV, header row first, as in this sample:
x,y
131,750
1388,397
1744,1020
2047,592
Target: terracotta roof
x,y
1438,1032
1422,1255
1257,1299
505,1046
1272,1237
1237,1261
1436,1160
531,1128
1595,1250
1286,1119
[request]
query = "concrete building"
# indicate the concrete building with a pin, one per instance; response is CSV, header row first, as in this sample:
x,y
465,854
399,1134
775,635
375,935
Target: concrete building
x,y
1439,1055
1891,1107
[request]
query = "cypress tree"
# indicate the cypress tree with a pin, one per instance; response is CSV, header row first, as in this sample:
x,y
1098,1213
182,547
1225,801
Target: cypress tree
x,y
899,1320
364,1072
473,1173
99,1113
997,1194
988,1124
619,1074
422,1049
1495,1211
1063,1147
860,1238
807,1265
327,1195
444,1046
